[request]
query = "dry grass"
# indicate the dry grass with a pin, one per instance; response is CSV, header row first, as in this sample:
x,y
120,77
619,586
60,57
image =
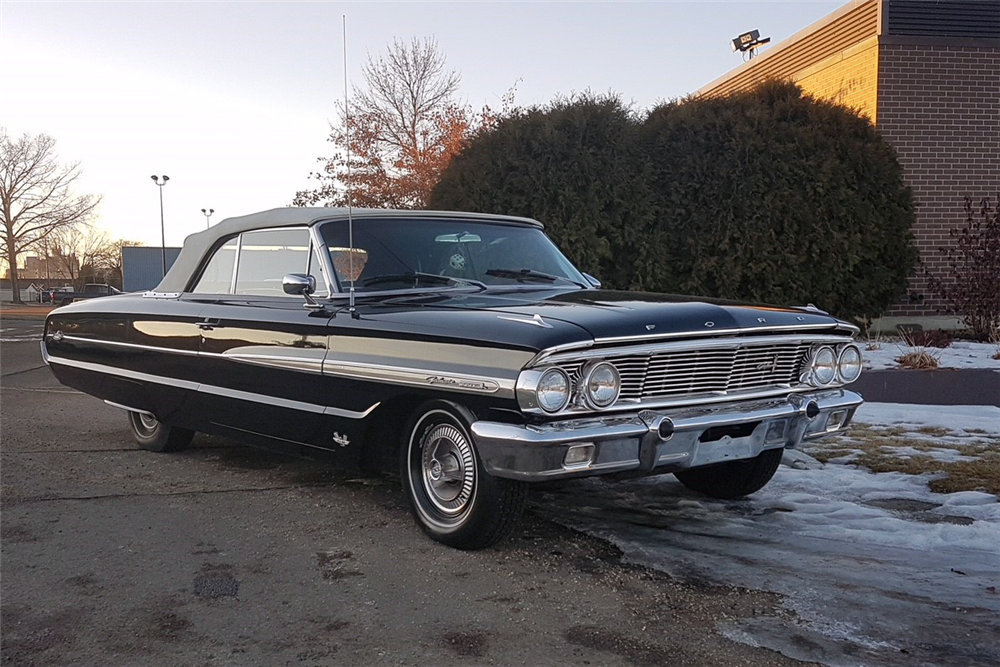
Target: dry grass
x,y
919,359
913,355
872,449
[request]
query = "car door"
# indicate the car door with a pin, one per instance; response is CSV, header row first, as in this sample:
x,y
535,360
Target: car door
x,y
262,351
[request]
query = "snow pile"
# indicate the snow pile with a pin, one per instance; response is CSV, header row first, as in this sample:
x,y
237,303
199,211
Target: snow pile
x,y
960,354
958,418
877,568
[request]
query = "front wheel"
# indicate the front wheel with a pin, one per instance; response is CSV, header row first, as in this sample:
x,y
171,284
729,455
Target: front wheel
x,y
155,436
451,495
734,479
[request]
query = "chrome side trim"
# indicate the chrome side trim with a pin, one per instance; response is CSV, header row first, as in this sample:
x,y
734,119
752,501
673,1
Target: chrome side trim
x,y
418,377
215,390
285,362
293,361
160,295
137,346
129,409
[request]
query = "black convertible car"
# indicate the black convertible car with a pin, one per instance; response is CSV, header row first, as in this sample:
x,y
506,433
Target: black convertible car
x,y
463,350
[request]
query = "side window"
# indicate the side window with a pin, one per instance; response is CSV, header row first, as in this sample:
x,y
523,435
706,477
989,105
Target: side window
x,y
266,256
218,275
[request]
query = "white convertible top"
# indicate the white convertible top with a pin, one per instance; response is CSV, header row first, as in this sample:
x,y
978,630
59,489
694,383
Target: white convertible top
x,y
196,245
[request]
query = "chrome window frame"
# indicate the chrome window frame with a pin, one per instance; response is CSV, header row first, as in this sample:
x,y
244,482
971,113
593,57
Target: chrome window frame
x,y
315,244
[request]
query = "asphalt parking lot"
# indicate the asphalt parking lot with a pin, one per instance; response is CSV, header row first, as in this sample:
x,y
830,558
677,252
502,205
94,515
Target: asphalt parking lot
x,y
225,555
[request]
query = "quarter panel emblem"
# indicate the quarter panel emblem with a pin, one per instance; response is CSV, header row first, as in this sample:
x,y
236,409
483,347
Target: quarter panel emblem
x,y
341,440
709,324
650,327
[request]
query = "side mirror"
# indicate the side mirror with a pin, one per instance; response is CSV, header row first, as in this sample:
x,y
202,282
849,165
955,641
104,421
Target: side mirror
x,y
594,282
298,284
302,284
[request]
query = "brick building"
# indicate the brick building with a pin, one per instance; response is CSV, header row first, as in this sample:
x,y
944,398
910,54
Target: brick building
x,y
927,74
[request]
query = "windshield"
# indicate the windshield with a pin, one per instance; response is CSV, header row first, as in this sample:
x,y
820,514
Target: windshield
x,y
418,253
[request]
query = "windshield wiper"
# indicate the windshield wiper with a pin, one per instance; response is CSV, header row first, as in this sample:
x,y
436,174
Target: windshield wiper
x,y
530,275
416,277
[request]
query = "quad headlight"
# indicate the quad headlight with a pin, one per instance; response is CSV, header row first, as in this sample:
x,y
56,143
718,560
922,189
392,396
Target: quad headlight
x,y
834,365
849,364
601,385
824,366
553,390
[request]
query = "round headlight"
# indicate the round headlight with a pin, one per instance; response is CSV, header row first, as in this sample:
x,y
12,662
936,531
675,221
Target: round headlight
x,y
824,365
553,390
849,365
601,385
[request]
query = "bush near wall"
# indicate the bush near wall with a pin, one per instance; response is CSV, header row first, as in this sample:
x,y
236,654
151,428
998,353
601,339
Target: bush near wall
x,y
768,196
572,165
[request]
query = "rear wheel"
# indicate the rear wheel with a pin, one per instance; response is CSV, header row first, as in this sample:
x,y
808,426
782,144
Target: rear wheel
x,y
451,495
735,479
155,436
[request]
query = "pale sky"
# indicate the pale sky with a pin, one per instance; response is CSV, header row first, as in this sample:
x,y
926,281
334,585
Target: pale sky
x,y
233,100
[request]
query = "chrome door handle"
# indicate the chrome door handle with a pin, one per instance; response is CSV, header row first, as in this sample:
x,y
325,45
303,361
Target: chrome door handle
x,y
208,324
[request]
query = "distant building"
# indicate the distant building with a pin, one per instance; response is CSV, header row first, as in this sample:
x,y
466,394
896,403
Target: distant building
x,y
927,74
54,268
142,267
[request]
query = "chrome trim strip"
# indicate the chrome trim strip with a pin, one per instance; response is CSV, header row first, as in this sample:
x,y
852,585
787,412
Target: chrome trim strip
x,y
128,409
419,377
138,346
780,327
288,363
214,390
160,295
699,336
236,262
700,344
45,352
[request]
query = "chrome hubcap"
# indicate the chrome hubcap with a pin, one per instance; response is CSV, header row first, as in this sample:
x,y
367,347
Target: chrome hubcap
x,y
147,424
448,467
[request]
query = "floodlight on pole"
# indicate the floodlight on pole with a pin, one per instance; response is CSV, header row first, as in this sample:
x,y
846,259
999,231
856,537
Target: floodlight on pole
x,y
749,42
161,181
208,216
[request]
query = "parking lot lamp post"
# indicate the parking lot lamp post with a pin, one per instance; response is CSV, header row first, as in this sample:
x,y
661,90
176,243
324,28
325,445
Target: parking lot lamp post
x,y
163,234
208,216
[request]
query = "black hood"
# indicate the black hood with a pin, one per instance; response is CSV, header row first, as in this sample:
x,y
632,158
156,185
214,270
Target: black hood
x,y
615,314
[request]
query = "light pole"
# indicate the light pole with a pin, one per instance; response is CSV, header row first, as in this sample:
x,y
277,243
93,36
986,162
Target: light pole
x,y
208,216
163,233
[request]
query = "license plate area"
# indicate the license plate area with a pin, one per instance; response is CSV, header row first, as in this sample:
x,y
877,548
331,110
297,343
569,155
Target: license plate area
x,y
732,431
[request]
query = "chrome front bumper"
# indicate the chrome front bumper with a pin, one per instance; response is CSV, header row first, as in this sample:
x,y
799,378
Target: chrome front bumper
x,y
659,441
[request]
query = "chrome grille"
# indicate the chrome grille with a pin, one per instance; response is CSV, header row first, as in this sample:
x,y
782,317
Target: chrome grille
x,y
716,370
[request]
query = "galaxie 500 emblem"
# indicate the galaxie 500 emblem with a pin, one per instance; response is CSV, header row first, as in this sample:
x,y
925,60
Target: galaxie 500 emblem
x,y
461,383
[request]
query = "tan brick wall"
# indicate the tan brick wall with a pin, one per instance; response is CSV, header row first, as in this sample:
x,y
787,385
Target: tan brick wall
x,y
823,42
849,78
939,106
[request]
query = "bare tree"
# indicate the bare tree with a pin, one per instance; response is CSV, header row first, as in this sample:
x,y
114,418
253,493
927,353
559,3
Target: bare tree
x,y
36,197
108,260
76,250
404,127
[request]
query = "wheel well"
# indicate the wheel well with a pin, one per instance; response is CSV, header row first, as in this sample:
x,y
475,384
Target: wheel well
x,y
383,434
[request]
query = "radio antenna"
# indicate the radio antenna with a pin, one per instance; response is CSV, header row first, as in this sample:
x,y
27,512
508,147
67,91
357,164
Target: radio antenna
x,y
350,213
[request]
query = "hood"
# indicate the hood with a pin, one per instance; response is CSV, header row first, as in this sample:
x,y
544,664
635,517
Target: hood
x,y
617,314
